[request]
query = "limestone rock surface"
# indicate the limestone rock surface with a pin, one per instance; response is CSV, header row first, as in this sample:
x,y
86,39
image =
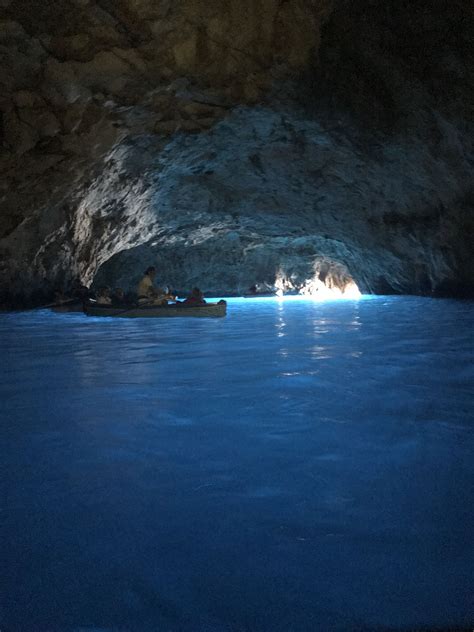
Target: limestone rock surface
x,y
269,197
235,142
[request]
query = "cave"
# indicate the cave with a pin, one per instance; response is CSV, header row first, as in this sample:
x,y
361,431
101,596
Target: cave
x,y
342,131
277,156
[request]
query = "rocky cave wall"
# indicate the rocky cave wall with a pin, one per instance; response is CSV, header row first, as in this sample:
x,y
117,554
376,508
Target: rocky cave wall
x,y
236,142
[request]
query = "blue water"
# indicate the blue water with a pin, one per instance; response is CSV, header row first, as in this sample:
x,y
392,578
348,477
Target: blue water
x,y
296,466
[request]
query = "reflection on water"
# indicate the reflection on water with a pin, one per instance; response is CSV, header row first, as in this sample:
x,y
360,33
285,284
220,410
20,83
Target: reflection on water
x,y
320,352
241,473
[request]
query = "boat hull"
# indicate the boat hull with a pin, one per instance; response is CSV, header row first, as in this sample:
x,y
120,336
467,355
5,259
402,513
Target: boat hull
x,y
66,308
210,310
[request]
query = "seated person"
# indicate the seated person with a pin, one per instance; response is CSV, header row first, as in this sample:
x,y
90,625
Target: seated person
x,y
61,298
148,293
195,298
146,283
118,297
154,296
103,296
79,291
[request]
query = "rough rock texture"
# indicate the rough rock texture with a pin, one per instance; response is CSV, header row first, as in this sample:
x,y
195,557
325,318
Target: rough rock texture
x,y
233,142
266,195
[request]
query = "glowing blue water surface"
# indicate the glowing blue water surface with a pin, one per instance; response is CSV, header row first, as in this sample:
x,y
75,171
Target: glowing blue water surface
x,y
294,466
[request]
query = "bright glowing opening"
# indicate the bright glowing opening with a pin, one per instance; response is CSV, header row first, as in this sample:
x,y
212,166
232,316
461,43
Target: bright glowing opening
x,y
317,290
340,287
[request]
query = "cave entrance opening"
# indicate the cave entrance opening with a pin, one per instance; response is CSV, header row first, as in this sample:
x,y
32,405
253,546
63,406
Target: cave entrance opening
x,y
222,271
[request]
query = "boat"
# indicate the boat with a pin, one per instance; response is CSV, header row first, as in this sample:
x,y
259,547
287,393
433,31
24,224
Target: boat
x,y
67,307
259,295
209,310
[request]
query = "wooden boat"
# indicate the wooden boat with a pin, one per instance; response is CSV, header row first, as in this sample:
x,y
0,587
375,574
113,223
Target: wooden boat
x,y
209,310
68,306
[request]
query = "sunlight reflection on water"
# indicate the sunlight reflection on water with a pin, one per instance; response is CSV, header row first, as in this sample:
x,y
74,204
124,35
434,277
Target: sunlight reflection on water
x,y
279,454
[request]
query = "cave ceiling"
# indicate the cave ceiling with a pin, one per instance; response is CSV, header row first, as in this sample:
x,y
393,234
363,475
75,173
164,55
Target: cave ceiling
x,y
234,141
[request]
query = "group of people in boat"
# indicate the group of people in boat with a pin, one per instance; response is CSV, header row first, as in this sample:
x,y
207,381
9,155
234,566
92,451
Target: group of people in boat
x,y
116,297
146,294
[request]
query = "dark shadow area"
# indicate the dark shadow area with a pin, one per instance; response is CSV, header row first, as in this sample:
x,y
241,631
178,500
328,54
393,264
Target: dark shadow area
x,y
382,60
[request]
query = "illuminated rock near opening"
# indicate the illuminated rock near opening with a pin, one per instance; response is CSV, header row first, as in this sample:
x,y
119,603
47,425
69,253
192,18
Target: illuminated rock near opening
x,y
224,142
